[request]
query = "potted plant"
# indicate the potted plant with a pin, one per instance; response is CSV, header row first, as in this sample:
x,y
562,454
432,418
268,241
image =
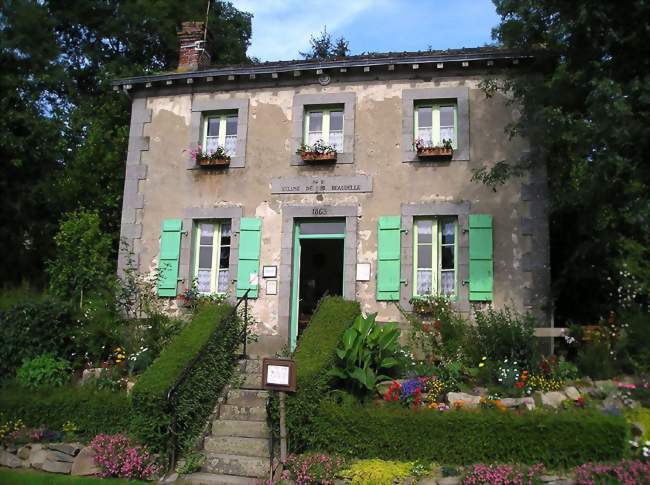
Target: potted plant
x,y
216,158
318,152
441,152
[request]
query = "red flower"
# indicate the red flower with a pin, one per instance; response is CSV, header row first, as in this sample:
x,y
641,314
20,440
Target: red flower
x,y
436,324
426,328
520,384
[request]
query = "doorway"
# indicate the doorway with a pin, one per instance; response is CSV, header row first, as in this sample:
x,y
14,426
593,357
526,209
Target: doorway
x,y
317,269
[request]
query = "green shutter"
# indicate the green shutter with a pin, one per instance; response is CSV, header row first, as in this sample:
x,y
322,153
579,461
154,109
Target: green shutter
x,y
388,258
480,258
249,255
170,248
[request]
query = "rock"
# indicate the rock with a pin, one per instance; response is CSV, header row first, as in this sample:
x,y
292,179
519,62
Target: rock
x,y
572,393
513,402
11,449
129,386
428,481
57,466
480,391
605,385
553,399
549,478
90,373
449,481
469,401
84,463
68,448
37,458
23,452
9,459
53,455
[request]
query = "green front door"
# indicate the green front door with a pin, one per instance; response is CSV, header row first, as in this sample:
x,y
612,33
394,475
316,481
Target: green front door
x,y
306,236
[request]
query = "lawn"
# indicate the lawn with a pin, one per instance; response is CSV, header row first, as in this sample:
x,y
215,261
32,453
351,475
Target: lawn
x,y
25,477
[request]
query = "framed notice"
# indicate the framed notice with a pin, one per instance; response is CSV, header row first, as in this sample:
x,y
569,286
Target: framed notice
x,y
270,271
279,374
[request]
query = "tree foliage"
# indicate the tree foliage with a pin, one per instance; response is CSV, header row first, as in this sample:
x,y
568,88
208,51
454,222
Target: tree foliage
x,y
64,132
586,111
324,47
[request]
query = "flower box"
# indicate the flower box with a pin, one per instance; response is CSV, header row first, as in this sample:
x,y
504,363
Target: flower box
x,y
318,157
439,153
213,162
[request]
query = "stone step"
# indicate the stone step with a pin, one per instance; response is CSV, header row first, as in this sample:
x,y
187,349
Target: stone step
x,y
245,429
251,381
247,397
203,478
236,445
250,366
242,413
242,466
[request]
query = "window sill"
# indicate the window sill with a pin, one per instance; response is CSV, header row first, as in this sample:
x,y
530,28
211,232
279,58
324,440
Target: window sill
x,y
411,156
235,162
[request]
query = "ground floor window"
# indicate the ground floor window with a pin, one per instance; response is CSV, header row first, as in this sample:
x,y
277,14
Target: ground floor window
x,y
434,256
212,256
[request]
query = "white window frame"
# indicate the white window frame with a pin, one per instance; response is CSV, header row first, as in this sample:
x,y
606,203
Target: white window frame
x,y
436,256
216,253
221,138
435,121
325,128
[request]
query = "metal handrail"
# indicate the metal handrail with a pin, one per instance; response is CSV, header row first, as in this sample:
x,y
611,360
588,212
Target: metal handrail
x,y
186,371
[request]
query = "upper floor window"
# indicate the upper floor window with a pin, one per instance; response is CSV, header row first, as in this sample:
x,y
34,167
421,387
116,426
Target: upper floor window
x,y
220,130
212,257
435,123
434,248
325,124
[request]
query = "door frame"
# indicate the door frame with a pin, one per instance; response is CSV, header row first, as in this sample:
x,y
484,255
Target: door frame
x,y
295,276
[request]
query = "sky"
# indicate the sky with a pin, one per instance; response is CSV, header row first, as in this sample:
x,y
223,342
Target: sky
x,y
281,28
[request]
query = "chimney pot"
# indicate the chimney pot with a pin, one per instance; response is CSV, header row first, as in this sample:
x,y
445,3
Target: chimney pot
x,y
192,55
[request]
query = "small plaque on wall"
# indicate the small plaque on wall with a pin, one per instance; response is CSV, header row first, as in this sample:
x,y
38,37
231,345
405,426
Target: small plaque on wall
x,y
272,287
363,271
270,271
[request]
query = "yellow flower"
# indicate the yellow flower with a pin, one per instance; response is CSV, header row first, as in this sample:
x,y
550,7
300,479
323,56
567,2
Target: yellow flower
x,y
484,358
482,364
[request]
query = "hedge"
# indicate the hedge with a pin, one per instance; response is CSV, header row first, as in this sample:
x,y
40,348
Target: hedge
x,y
198,395
314,356
93,411
557,439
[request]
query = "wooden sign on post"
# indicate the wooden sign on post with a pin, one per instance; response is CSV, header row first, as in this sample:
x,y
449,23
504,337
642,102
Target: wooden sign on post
x,y
279,374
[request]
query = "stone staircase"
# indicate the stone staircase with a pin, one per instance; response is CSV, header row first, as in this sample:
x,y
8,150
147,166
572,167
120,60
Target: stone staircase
x,y
238,450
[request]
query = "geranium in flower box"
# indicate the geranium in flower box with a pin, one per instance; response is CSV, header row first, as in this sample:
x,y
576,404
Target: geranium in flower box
x,y
429,152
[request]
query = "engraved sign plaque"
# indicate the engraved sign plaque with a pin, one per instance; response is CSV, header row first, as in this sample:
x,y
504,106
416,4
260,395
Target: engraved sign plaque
x,y
321,185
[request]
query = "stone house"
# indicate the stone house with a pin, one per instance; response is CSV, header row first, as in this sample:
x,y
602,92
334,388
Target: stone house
x,y
374,217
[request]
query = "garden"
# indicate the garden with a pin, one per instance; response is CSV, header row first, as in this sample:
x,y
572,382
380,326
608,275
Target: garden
x,y
456,398
86,367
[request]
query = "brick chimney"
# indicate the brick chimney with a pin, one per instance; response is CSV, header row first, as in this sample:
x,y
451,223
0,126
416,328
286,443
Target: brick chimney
x,y
192,55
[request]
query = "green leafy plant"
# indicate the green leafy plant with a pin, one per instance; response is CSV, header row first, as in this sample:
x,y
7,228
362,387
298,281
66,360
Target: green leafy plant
x,y
44,371
504,334
367,349
191,462
108,380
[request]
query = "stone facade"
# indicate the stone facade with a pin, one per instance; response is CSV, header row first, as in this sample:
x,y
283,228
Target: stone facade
x,y
161,184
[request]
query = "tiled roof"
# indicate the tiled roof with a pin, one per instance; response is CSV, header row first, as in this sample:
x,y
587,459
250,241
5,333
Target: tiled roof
x,y
466,57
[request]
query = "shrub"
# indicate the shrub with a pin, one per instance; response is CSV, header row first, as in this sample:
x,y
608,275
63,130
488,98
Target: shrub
x,y
117,457
367,349
82,260
43,371
315,356
461,437
312,468
29,329
504,334
212,328
377,472
594,360
625,472
91,410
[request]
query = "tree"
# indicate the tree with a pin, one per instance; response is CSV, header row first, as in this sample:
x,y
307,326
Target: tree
x,y
82,261
64,132
586,110
323,47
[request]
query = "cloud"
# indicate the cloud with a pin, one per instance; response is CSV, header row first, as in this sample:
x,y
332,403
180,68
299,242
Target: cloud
x,y
281,28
